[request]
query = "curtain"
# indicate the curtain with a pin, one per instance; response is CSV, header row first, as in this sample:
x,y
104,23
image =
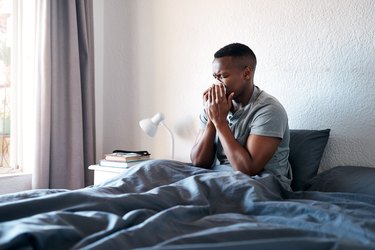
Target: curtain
x,y
65,108
53,123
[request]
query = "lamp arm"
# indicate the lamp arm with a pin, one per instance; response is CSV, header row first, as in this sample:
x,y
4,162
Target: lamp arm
x,y
172,138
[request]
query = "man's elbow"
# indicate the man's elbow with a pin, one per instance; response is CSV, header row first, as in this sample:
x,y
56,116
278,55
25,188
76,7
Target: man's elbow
x,y
200,163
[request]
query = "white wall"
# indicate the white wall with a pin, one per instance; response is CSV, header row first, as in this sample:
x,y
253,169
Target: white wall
x,y
316,57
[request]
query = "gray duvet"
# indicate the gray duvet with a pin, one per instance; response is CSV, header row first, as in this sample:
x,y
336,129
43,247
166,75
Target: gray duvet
x,y
171,205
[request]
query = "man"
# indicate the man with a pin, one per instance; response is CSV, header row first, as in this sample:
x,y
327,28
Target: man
x,y
243,126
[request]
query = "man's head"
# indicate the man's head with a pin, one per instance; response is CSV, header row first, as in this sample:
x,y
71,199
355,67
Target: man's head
x,y
243,54
234,66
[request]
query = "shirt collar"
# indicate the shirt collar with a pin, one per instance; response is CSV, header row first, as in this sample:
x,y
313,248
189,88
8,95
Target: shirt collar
x,y
254,96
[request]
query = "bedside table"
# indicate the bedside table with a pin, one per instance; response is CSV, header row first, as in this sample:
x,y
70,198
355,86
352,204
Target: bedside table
x,y
104,173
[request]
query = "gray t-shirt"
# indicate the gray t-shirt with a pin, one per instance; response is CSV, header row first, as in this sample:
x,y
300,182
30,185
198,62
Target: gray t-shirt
x,y
263,115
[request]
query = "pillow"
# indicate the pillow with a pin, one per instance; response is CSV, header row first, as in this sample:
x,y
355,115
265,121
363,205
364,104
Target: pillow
x,y
351,179
306,151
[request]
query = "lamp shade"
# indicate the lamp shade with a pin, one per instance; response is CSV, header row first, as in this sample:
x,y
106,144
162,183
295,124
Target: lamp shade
x,y
150,126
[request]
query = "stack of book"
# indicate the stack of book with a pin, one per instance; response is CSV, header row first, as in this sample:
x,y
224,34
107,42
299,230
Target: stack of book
x,y
123,160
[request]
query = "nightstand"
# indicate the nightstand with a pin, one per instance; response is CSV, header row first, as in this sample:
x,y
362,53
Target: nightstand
x,y
104,173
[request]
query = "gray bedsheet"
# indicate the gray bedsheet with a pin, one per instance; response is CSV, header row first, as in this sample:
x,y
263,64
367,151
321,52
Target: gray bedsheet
x,y
172,205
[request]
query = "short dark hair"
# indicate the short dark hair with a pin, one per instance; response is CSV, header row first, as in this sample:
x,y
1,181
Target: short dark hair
x,y
237,50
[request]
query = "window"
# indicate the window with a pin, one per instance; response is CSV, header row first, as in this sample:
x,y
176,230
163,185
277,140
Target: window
x,y
5,84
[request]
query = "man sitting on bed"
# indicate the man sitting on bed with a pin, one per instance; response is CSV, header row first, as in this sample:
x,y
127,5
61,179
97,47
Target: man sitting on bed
x,y
243,126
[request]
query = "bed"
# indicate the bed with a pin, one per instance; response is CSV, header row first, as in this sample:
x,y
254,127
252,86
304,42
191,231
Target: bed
x,y
163,204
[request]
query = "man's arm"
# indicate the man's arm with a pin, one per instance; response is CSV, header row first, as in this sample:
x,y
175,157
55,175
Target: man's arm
x,y
203,152
252,158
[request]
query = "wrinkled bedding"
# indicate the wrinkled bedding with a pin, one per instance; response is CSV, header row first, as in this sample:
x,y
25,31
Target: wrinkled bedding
x,y
171,205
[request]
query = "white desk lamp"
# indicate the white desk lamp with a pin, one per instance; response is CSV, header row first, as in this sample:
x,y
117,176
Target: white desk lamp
x,y
150,125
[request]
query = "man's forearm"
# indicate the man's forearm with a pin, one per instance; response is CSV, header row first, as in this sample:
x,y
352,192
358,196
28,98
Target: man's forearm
x,y
202,153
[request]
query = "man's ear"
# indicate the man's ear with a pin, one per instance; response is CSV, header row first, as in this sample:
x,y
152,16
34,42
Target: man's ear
x,y
247,73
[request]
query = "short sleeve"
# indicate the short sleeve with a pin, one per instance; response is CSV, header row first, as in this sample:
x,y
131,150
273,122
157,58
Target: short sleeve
x,y
270,120
202,120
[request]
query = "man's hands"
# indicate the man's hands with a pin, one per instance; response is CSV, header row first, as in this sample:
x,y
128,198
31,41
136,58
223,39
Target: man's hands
x,y
217,104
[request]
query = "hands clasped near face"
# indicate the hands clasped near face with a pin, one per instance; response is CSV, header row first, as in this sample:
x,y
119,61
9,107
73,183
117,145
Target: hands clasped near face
x,y
217,104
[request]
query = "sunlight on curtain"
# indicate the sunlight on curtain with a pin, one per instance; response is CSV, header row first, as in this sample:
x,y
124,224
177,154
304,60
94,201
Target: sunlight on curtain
x,y
23,127
32,110
6,35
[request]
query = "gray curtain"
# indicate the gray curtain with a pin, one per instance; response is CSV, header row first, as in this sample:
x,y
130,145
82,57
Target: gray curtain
x,y
67,109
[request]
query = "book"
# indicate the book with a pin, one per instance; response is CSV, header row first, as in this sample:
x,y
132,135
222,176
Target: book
x,y
126,157
117,164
